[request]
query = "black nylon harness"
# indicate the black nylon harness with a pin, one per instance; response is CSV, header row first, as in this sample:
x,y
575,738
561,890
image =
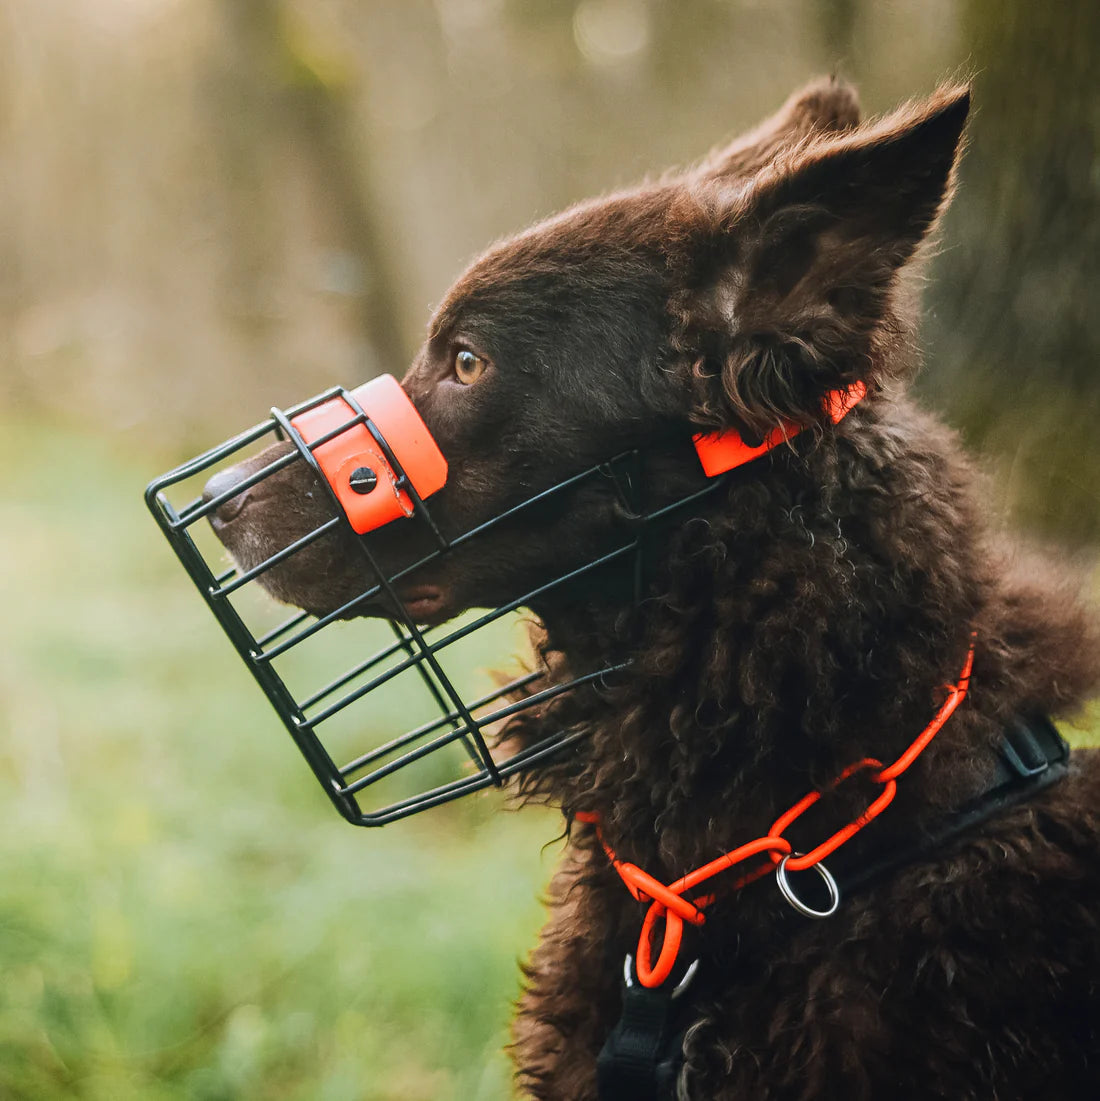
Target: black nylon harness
x,y
643,1054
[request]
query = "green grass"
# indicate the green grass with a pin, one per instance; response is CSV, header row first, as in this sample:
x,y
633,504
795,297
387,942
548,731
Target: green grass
x,y
182,914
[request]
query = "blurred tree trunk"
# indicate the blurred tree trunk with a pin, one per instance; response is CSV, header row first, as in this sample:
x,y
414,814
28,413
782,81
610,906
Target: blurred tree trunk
x,y
1033,187
308,105
1015,324
838,20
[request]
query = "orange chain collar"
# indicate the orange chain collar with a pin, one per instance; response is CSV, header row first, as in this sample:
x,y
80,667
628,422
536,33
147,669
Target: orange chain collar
x,y
668,902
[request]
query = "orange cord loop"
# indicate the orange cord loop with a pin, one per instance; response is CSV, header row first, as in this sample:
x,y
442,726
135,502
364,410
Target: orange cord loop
x,y
652,975
831,844
643,884
668,902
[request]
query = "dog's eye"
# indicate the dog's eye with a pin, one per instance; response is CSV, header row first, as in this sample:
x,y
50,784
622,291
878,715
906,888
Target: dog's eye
x,y
468,367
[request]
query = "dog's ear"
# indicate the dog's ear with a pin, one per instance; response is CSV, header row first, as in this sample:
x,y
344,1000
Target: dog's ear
x,y
795,290
824,106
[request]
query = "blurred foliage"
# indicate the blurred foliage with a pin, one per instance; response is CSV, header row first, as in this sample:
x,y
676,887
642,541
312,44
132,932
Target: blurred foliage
x,y
210,207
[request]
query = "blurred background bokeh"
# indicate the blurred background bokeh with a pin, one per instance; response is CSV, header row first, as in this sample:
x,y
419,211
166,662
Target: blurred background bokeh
x,y
211,206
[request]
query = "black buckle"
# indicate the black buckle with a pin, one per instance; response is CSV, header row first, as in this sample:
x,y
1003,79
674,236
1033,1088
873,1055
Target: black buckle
x,y
1030,746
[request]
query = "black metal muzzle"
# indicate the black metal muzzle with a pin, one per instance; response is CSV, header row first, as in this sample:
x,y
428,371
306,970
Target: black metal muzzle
x,y
379,463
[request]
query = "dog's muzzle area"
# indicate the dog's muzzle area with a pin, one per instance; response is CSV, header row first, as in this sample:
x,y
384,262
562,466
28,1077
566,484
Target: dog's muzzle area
x,y
257,520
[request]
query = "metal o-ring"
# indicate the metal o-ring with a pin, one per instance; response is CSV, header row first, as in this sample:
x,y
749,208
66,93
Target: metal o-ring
x,y
678,989
787,891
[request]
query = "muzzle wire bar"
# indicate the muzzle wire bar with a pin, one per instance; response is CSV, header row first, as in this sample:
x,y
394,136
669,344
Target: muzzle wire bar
x,y
412,648
268,563
424,729
433,689
426,663
503,713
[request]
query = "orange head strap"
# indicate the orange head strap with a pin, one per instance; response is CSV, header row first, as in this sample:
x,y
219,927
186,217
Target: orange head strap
x,y
722,451
371,472
356,449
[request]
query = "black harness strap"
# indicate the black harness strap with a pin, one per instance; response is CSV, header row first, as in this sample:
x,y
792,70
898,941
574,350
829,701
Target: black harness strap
x,y
643,1053
642,1056
1031,756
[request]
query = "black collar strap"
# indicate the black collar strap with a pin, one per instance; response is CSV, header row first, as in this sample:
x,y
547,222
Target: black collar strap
x,y
1031,756
642,1056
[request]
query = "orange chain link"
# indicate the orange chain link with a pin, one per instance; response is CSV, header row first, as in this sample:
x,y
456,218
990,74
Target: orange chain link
x,y
668,902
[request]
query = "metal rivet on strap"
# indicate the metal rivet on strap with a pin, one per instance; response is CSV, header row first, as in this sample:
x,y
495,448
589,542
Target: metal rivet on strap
x,y
363,479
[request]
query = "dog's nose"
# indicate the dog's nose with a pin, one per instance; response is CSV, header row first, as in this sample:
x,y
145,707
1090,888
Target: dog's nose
x,y
222,483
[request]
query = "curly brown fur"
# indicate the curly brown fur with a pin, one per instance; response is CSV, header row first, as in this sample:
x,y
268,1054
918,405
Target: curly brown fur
x,y
805,616
779,652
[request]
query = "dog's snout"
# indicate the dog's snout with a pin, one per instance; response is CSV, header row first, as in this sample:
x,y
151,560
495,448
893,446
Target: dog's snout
x,y
221,484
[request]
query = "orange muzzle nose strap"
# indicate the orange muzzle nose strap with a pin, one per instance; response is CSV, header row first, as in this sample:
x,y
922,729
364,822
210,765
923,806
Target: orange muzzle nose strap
x,y
372,447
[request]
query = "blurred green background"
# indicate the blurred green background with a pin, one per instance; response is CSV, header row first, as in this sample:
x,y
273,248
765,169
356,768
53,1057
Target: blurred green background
x,y
211,206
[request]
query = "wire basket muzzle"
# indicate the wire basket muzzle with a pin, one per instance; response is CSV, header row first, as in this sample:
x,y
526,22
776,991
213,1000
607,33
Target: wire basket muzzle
x,y
379,706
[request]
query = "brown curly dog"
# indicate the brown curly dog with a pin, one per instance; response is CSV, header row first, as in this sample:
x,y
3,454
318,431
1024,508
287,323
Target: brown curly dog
x,y
803,618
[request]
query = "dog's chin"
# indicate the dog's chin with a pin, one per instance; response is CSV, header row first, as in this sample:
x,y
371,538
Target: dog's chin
x,y
426,605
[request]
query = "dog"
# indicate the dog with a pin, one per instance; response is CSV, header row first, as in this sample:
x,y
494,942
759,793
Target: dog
x,y
795,625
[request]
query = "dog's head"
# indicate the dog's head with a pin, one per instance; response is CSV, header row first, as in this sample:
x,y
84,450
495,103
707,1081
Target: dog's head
x,y
737,295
